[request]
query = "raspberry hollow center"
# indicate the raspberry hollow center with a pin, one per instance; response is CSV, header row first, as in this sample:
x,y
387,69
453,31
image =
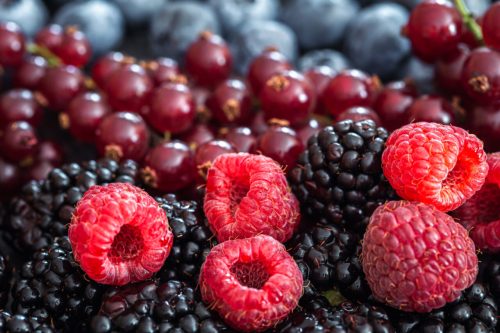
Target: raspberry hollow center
x,y
127,245
239,190
459,176
251,275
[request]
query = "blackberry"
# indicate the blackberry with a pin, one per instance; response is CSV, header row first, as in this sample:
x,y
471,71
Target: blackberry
x,y
338,178
475,311
43,209
52,288
328,258
21,324
489,274
5,274
172,306
192,239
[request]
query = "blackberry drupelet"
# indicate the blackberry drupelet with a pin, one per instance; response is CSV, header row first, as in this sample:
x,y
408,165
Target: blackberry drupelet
x,y
192,240
52,288
43,210
149,306
338,178
21,324
489,274
328,258
475,311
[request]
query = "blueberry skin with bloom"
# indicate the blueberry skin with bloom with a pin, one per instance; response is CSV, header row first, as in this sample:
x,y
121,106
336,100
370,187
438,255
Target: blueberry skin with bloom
x,y
176,25
326,57
30,15
101,21
138,12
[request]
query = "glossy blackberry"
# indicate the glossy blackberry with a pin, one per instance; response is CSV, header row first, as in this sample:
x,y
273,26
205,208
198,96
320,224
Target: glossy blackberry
x,y
192,240
328,258
17,323
52,287
338,178
149,306
475,311
489,274
43,209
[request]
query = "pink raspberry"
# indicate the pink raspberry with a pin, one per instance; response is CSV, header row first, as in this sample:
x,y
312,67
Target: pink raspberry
x,y
119,234
248,195
252,283
436,164
417,258
481,213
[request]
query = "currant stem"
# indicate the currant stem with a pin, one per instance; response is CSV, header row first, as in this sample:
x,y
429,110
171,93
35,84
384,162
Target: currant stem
x,y
51,58
469,20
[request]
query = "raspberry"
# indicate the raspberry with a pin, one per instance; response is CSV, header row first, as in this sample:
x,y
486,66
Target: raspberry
x,y
436,164
481,213
417,258
247,195
119,234
252,283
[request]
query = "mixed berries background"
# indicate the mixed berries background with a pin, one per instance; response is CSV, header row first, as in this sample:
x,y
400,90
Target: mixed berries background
x,y
249,166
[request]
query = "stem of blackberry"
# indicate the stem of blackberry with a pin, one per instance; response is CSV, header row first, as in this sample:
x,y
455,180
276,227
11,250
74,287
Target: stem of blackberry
x,y
469,20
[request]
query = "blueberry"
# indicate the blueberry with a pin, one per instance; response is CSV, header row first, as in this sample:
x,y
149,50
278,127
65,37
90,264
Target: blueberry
x,y
138,12
30,15
176,25
326,57
421,74
318,23
232,13
255,36
373,41
101,21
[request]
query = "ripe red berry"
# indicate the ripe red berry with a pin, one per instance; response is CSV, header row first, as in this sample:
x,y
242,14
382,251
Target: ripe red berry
x,y
60,85
11,44
359,113
106,65
417,258
252,283
50,37
19,142
391,106
282,144
163,70
259,124
307,130
436,164
288,96
230,102
198,134
481,75
434,29
74,48
207,152
19,104
490,25
128,88
319,78
263,67
171,108
208,60
248,195
484,121
347,89
50,151
169,167
10,179
241,138
39,170
448,69
122,135
30,72
431,108
119,234
84,114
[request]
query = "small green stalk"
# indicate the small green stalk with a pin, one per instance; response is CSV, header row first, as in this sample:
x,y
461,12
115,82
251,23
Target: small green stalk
x,y
44,52
469,20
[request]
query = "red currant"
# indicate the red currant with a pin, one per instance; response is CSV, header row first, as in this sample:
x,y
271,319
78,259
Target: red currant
x,y
197,135
169,167
60,85
448,69
281,144
10,179
11,44
491,26
391,106
206,153
241,138
122,135
230,102
208,60
106,65
481,75
304,132
359,113
263,67
349,88
50,151
484,122
259,124
19,142
39,170
20,104
128,88
50,37
30,72
74,48
171,109
288,96
319,78
431,109
84,114
434,29
163,70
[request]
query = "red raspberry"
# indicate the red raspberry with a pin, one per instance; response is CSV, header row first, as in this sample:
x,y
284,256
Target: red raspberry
x,y
248,195
481,213
436,164
417,258
252,283
119,234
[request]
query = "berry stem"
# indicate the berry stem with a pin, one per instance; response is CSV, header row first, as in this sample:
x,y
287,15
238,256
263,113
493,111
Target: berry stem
x,y
51,58
469,20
